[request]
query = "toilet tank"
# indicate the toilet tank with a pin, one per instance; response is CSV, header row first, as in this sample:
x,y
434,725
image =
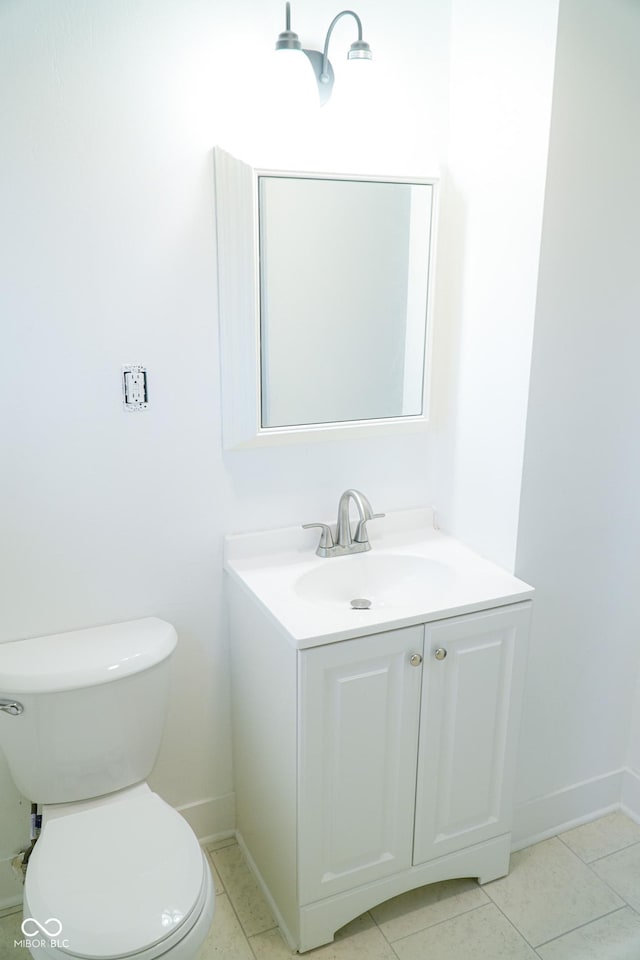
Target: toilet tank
x,y
94,703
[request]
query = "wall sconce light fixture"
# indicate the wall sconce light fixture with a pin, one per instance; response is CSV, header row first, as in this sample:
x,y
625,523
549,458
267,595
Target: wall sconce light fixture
x,y
359,50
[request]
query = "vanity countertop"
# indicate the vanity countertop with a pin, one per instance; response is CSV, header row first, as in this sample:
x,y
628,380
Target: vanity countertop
x,y
413,574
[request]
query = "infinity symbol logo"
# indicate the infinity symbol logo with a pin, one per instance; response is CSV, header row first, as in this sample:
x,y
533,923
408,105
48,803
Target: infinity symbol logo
x,y
50,928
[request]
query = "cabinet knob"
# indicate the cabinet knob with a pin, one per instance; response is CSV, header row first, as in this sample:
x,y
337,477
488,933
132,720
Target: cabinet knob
x,y
415,660
440,653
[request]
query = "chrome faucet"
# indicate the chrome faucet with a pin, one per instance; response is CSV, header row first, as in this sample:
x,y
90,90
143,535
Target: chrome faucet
x,y
344,542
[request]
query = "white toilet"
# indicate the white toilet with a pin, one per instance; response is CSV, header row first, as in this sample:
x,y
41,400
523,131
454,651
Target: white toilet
x,y
116,871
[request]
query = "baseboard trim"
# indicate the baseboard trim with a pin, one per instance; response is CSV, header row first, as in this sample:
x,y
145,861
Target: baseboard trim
x,y
631,794
546,816
211,819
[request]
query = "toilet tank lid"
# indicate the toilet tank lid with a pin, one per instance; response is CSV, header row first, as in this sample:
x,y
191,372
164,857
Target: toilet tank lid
x,y
84,658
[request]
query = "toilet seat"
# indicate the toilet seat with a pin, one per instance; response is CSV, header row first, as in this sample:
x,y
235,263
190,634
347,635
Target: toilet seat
x,y
182,944
124,875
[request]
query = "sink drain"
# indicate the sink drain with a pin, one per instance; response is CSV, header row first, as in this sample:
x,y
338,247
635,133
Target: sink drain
x,y
360,604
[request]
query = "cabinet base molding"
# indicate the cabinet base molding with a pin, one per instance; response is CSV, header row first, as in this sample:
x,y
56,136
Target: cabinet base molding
x,y
318,922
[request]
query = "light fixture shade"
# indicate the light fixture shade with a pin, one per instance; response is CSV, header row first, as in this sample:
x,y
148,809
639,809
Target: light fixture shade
x,y
294,80
359,50
288,40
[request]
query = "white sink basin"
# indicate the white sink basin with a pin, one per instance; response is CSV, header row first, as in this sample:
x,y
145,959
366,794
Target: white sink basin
x,y
412,574
383,579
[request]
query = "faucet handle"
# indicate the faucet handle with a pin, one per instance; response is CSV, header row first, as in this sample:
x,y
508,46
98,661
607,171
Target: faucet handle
x,y
361,530
326,537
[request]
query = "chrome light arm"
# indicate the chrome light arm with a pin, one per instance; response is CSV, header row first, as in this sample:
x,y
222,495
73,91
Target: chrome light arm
x,y
324,72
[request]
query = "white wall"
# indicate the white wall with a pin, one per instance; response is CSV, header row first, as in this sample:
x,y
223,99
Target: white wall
x,y
109,112
502,58
579,520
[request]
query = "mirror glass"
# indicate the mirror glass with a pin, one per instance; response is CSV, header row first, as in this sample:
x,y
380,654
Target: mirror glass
x,y
344,277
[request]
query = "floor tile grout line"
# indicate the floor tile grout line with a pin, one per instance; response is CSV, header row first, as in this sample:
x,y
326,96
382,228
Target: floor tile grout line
x,y
581,926
627,846
290,953
389,943
218,874
566,845
242,930
9,911
432,926
588,863
392,948
215,845
610,887
253,953
508,919
589,866
227,894
246,935
510,922
381,931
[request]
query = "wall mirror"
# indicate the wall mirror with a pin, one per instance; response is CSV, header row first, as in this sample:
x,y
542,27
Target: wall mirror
x,y
324,294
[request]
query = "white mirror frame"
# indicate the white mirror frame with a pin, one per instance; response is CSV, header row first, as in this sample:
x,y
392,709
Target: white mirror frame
x,y
236,199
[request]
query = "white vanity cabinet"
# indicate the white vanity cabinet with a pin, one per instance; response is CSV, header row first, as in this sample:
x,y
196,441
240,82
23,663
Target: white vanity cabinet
x,y
375,764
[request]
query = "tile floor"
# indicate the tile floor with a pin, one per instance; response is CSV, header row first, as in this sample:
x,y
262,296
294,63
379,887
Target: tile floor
x,y
573,897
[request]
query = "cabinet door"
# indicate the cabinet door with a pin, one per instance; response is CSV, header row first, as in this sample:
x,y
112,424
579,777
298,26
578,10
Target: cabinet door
x,y
359,706
468,729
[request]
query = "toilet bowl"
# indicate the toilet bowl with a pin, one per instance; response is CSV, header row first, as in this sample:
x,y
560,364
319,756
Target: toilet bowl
x,y
116,872
123,876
